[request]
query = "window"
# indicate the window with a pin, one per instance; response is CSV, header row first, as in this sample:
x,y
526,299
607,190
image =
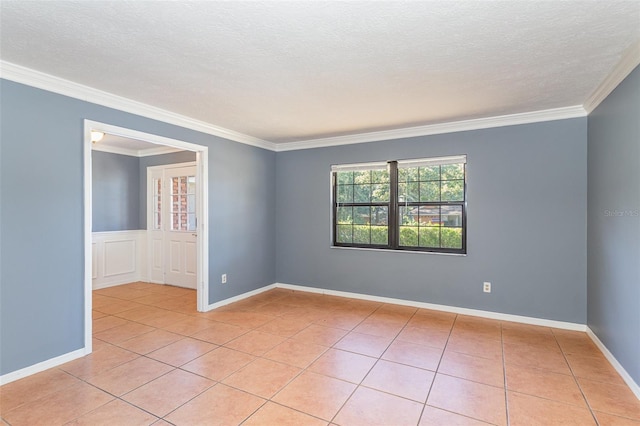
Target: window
x,y
417,205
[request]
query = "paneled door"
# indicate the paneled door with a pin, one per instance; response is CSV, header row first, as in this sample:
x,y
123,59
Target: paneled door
x,y
173,229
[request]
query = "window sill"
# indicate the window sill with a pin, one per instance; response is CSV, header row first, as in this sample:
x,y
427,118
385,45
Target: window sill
x,y
399,251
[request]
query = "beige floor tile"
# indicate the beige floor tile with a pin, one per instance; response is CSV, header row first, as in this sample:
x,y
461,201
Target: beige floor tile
x,y
529,335
419,356
262,377
343,320
401,380
314,394
168,392
527,410
101,360
544,384
130,375
271,414
364,344
220,405
182,351
343,365
219,363
255,342
123,332
476,346
483,370
220,333
242,318
139,313
59,407
371,407
471,399
576,342
162,319
284,327
320,335
611,420
116,412
595,368
150,342
424,336
105,323
535,357
432,416
611,398
188,326
34,387
295,353
379,327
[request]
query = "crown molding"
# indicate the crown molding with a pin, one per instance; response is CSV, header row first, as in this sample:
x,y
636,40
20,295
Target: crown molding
x,y
40,80
435,129
629,61
135,152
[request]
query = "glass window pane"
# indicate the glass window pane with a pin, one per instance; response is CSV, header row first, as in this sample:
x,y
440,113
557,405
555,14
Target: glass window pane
x,y
452,216
430,173
429,216
380,193
379,176
452,171
429,191
363,176
191,203
156,220
407,216
362,215
430,237
412,174
345,215
380,235
452,190
345,193
345,178
362,193
345,234
379,215
361,234
451,238
408,192
191,186
191,222
409,236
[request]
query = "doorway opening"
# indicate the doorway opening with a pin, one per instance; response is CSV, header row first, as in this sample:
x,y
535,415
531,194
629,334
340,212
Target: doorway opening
x,y
191,212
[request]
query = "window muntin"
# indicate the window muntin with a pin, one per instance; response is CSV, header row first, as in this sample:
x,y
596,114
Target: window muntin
x,y
405,205
361,208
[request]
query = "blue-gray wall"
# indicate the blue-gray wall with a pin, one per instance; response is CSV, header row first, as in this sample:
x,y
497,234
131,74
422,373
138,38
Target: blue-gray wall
x,y
527,198
614,223
41,269
157,160
115,192
119,186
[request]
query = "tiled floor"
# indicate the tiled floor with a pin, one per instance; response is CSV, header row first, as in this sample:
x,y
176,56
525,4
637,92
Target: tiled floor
x,y
291,358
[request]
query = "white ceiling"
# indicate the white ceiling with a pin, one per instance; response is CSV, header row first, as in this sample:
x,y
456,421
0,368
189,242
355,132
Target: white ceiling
x,y
296,71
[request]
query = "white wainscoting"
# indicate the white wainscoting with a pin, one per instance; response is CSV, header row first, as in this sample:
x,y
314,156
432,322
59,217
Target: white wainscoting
x,y
118,257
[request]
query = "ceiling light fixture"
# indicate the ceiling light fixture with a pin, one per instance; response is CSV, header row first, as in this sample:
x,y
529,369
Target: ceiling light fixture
x,y
96,136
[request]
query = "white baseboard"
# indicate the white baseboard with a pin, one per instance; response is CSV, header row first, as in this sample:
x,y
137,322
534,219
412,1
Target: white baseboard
x,y
41,366
614,362
445,308
239,297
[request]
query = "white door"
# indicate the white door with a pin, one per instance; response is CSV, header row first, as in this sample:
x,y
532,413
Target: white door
x,y
172,234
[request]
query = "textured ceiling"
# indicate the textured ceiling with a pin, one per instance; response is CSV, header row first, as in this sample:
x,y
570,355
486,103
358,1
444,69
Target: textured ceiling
x,y
292,71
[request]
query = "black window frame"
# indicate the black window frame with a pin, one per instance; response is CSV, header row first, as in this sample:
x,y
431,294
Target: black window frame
x,y
394,205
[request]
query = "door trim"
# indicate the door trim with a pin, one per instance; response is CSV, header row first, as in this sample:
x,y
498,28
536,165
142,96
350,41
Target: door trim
x,y
202,212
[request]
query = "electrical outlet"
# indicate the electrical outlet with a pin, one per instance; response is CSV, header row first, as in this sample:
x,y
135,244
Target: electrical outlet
x,y
224,278
486,287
